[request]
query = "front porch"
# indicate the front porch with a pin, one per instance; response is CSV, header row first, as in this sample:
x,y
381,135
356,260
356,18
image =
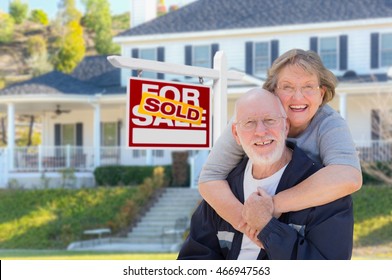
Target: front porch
x,y
30,165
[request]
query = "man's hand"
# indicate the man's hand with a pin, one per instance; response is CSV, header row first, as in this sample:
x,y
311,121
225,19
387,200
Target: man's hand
x,y
257,212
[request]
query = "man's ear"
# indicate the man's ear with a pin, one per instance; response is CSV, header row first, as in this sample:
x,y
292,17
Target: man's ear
x,y
235,133
287,126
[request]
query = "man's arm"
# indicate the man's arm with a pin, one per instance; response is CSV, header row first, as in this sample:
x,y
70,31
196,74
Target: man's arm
x,y
327,234
202,242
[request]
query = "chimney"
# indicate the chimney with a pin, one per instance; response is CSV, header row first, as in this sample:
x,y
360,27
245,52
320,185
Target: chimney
x,y
143,11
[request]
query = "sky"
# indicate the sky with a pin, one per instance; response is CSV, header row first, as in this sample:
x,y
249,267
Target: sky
x,y
50,6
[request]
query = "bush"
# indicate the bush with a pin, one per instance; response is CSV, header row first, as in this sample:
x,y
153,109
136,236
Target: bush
x,y
116,175
39,16
7,26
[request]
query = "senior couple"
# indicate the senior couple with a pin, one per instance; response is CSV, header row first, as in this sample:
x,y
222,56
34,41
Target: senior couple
x,y
277,183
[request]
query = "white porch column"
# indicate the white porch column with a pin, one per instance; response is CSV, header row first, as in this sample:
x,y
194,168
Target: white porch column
x,y
11,135
97,135
343,105
220,95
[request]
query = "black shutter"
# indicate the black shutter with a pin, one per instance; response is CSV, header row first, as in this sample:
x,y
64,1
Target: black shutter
x,y
119,123
57,134
188,57
374,52
314,44
57,139
214,49
274,50
161,57
79,134
249,58
134,54
343,52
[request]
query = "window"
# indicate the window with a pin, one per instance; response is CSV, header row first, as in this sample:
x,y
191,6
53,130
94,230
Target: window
x,y
329,52
149,54
158,153
261,58
138,153
386,50
68,134
109,134
201,56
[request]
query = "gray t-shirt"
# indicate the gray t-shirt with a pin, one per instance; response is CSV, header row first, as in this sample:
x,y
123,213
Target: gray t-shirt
x,y
327,140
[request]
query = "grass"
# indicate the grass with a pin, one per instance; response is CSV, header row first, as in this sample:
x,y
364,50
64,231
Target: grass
x,y
372,233
78,255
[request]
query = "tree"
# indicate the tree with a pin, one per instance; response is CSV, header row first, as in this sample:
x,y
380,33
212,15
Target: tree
x,y
71,50
99,20
6,27
38,55
70,45
39,16
18,11
67,12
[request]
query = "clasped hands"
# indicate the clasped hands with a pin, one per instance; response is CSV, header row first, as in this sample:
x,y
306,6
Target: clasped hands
x,y
257,211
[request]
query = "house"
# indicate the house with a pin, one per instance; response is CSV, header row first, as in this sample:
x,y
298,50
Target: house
x,y
353,38
83,117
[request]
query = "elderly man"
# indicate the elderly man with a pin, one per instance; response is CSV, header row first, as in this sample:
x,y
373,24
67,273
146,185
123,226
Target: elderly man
x,y
271,166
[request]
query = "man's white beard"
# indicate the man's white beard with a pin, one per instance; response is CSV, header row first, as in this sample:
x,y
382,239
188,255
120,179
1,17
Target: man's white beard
x,y
269,159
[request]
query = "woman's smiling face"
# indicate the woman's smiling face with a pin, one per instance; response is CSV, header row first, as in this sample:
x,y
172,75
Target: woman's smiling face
x,y
300,95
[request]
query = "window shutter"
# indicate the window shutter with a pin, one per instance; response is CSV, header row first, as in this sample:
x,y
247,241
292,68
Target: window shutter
x,y
79,134
314,44
57,134
161,57
374,52
343,52
119,123
188,55
134,54
249,58
214,49
274,50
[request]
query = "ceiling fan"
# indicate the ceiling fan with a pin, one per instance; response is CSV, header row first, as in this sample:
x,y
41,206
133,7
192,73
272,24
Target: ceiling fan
x,y
59,111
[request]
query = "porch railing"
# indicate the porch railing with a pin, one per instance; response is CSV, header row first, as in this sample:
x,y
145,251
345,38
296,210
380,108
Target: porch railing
x,y
56,158
371,151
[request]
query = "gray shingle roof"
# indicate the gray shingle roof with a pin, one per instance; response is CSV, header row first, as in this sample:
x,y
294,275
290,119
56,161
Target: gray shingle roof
x,y
208,15
51,83
93,75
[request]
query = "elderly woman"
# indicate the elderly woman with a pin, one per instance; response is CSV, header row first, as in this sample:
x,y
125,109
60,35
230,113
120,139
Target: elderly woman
x,y
304,86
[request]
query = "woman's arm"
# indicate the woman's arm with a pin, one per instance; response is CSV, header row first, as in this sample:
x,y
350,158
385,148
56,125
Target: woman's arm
x,y
326,185
213,187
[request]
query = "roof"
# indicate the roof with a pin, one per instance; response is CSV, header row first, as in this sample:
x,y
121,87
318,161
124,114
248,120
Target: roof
x,y
208,15
51,83
93,75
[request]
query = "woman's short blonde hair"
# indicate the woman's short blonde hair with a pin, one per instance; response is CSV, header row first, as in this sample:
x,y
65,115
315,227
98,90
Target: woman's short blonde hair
x,y
310,62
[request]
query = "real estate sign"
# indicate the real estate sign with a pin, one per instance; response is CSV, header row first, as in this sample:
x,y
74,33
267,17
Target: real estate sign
x,y
168,115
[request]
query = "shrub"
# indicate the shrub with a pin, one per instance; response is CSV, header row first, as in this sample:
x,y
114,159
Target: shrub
x,y
39,16
116,175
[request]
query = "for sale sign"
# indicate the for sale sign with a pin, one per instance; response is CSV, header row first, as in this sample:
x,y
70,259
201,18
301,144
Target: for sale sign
x,y
168,115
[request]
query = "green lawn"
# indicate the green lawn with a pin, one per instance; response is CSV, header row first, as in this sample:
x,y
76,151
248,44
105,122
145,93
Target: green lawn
x,y
77,255
372,229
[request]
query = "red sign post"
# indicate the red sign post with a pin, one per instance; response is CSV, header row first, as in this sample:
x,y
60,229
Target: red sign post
x,y
168,115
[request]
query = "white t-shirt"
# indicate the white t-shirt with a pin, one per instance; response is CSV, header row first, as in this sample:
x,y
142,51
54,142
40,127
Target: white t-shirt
x,y
249,250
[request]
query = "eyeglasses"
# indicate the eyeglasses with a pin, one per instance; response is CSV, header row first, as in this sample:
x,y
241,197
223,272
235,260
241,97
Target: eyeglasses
x,y
251,123
306,90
